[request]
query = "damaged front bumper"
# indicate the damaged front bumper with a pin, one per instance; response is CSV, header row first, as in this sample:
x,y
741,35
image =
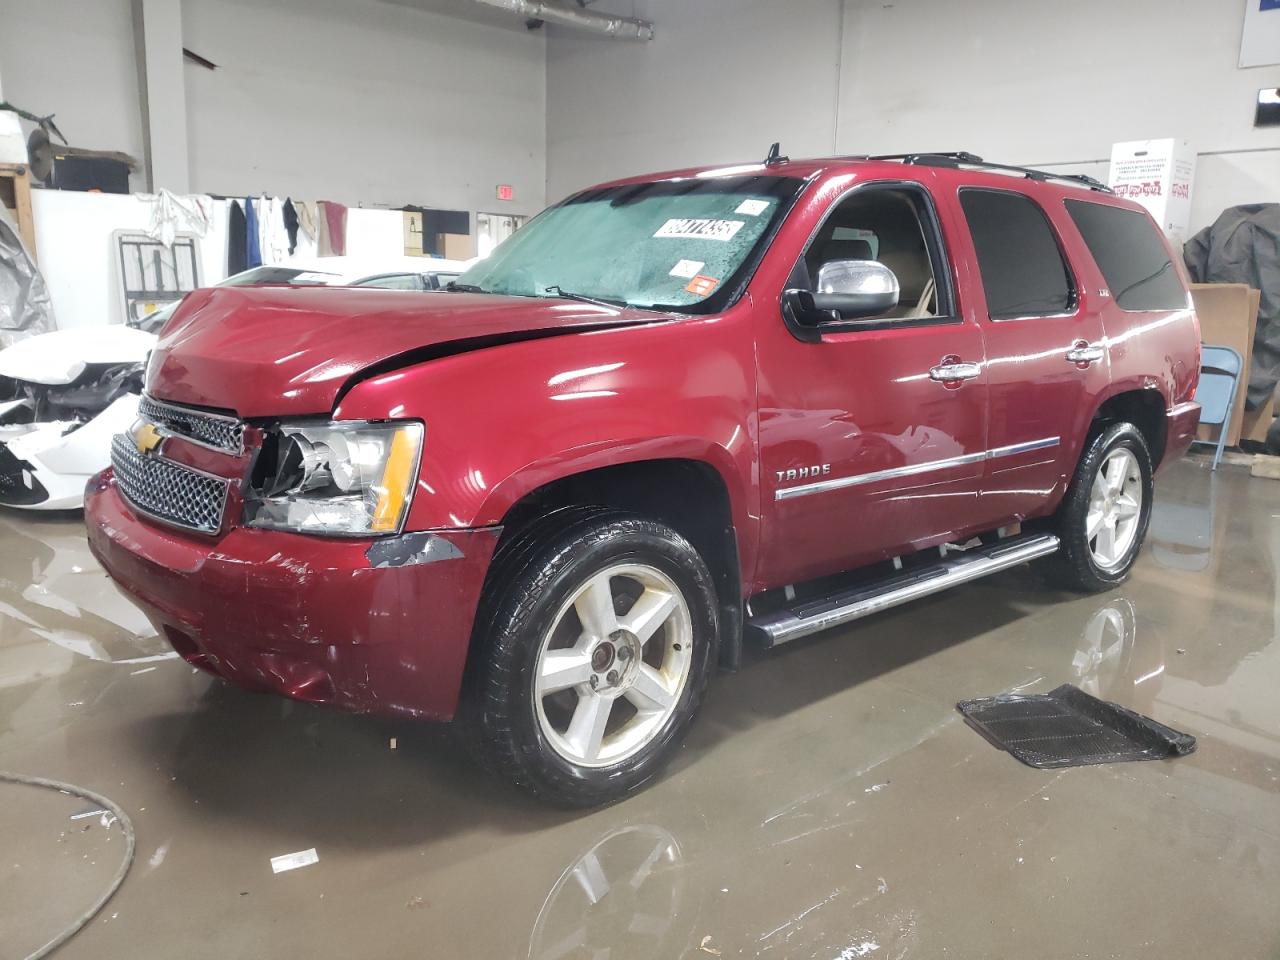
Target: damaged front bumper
x,y
378,626
45,465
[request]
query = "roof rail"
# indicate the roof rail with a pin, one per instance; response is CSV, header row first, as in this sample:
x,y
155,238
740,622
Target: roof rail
x,y
961,158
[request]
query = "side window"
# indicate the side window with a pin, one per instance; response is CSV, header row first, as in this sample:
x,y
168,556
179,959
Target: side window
x,y
891,225
1023,272
1131,256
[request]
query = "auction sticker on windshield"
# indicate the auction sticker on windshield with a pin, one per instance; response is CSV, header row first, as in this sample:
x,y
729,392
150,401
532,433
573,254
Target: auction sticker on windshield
x,y
752,208
698,229
701,286
687,269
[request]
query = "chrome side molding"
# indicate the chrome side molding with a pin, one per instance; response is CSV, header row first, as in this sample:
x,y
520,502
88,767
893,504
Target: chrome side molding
x,y
845,606
911,470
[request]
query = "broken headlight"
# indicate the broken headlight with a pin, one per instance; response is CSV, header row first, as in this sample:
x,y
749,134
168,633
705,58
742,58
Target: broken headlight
x,y
341,478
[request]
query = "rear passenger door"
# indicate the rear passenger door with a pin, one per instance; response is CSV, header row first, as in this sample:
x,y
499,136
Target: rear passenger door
x,y
1046,347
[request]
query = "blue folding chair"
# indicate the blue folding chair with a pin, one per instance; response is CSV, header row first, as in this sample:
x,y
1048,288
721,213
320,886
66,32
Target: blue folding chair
x,y
1220,372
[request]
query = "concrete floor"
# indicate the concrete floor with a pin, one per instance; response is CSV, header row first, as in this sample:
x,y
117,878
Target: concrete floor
x,y
830,803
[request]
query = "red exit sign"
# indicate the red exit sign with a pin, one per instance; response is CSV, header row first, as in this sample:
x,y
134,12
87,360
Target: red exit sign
x,y
506,192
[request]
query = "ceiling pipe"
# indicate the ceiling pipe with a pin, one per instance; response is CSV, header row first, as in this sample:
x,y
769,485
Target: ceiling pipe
x,y
617,28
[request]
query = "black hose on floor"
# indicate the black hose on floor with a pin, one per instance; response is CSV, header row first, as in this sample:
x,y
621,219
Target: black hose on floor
x,y
130,842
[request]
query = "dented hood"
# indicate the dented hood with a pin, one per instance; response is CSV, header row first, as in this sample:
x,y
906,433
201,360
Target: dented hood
x,y
281,351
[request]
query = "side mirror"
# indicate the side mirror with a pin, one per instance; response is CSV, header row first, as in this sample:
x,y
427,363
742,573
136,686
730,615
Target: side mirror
x,y
847,290
856,288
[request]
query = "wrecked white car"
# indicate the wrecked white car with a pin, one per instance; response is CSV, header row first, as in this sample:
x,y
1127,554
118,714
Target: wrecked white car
x,y
63,396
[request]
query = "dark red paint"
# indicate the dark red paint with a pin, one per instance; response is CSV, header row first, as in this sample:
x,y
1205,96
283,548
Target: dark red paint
x,y
560,387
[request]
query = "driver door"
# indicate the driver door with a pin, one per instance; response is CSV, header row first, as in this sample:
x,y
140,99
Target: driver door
x,y
869,446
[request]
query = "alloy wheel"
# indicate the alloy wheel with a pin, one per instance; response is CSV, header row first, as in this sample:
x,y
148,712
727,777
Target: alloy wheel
x,y
613,665
1115,509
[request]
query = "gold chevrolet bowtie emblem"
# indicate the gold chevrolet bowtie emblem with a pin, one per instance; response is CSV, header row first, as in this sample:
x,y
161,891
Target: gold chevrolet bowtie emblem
x,y
146,437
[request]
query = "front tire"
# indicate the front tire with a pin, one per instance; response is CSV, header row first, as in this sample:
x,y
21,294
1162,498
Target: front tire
x,y
1104,515
597,643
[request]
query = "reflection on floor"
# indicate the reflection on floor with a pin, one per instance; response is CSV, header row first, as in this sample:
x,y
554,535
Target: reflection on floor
x,y
830,804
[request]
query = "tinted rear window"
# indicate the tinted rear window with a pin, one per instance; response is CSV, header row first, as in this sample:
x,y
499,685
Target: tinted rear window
x,y
1130,255
1023,272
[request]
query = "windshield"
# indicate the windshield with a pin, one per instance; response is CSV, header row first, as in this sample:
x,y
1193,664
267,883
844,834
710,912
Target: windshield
x,y
671,244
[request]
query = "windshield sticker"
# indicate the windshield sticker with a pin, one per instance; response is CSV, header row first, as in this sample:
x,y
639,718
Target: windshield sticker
x,y
701,285
698,229
686,269
752,208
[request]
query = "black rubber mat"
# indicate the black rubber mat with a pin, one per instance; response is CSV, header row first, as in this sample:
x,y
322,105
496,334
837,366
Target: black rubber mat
x,y
1069,728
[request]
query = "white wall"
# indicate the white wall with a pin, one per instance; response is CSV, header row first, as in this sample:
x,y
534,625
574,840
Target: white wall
x,y
998,80
359,101
720,81
1016,82
362,101
78,257
75,59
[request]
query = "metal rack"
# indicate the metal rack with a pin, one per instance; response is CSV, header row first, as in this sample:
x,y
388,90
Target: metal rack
x,y
961,158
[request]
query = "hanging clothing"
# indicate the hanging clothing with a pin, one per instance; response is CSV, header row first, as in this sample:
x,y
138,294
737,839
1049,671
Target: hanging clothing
x,y
291,224
253,249
333,229
306,248
172,214
306,210
236,253
271,233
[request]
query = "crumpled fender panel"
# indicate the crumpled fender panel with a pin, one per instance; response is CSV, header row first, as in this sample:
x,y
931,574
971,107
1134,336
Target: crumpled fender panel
x,y
61,463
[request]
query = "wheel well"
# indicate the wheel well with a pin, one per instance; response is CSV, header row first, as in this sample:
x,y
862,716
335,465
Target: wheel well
x,y
687,495
1145,410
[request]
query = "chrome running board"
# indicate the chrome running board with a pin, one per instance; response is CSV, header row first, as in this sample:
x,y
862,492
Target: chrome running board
x,y
854,603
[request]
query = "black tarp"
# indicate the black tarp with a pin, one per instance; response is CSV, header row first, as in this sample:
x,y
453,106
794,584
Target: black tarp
x,y
1243,246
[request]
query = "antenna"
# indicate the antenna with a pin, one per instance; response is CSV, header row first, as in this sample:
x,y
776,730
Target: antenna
x,y
775,155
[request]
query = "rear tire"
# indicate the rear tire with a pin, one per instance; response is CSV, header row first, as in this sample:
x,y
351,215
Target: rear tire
x,y
597,636
1103,518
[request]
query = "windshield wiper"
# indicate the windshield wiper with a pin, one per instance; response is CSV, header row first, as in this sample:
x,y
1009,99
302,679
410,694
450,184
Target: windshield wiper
x,y
453,286
582,297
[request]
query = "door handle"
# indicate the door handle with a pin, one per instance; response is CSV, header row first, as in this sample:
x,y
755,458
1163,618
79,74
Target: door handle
x,y
954,370
1084,353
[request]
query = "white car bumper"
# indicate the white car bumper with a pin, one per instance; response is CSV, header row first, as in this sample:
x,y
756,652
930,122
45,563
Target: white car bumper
x,y
42,467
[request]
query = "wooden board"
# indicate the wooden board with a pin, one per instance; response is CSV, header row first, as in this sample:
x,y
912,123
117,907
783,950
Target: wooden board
x,y
1266,466
15,193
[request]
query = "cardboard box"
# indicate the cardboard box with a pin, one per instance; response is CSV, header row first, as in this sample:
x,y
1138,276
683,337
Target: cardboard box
x,y
1158,174
1228,315
1257,422
456,246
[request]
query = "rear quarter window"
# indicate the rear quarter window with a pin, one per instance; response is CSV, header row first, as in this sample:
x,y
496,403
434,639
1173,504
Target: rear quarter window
x,y
1131,256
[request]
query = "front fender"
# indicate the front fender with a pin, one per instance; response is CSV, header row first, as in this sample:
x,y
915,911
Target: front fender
x,y
609,453
504,420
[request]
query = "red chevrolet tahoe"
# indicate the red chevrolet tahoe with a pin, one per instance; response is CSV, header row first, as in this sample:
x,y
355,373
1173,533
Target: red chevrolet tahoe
x,y
672,414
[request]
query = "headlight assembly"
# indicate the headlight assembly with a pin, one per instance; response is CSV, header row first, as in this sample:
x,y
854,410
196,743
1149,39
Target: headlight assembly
x,y
341,478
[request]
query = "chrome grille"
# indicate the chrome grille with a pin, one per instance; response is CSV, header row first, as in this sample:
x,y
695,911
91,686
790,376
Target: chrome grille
x,y
166,490
211,429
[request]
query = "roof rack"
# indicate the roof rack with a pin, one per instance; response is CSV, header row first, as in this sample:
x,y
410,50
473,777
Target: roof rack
x,y
961,158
